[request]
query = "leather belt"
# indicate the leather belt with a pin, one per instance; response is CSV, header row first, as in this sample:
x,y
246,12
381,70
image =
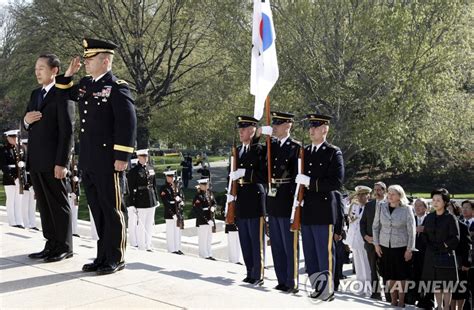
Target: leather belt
x,y
282,181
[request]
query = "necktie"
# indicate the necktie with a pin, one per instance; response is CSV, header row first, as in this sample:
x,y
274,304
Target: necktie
x,y
313,149
41,98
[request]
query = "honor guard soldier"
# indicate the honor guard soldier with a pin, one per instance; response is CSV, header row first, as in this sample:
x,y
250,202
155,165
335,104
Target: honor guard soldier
x,y
204,207
28,200
284,168
323,177
250,199
107,136
13,165
144,199
173,201
74,192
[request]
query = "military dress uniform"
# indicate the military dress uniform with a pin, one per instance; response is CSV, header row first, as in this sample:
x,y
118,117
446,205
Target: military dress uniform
x,y
144,199
250,205
28,200
324,166
74,193
285,243
107,133
204,206
171,199
12,157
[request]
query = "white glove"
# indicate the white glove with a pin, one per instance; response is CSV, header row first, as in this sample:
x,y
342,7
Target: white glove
x,y
73,196
21,164
211,223
75,179
178,199
302,179
296,204
235,175
230,198
213,209
267,130
175,217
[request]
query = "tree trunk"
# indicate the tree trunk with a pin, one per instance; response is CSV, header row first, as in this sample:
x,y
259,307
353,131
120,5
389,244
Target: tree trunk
x,y
143,133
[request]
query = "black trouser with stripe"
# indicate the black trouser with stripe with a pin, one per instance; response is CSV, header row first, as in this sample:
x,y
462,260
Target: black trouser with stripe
x,y
104,194
55,212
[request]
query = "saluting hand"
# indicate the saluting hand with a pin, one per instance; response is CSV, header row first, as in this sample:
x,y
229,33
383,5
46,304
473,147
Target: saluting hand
x,y
120,165
60,172
74,66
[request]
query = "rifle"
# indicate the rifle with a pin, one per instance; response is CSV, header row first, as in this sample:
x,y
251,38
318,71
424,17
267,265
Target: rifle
x,y
74,179
177,189
232,188
19,167
295,219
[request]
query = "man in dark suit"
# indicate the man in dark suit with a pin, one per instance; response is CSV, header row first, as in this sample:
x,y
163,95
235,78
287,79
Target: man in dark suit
x,y
49,121
107,136
366,231
323,177
250,200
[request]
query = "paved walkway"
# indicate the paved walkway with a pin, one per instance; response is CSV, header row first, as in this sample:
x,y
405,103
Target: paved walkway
x,y
150,280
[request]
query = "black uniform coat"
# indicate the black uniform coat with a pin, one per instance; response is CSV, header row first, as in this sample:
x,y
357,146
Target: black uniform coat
x,y
50,139
441,234
107,119
284,164
142,186
167,196
250,201
202,205
326,169
8,154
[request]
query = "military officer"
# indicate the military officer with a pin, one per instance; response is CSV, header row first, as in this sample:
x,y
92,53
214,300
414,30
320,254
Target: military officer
x,y
143,198
13,161
204,207
250,199
323,177
172,199
107,136
28,200
284,168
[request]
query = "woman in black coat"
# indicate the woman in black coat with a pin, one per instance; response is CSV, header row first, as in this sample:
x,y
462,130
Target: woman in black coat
x,y
441,233
461,291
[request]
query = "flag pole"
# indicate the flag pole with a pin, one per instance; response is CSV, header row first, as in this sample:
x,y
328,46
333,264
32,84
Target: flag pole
x,y
269,150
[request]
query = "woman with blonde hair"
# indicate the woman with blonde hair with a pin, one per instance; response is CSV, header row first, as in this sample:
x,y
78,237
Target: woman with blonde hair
x,y
394,241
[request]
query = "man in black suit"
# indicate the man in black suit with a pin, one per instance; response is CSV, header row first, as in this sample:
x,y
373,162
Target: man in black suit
x,y
107,136
366,231
49,121
320,216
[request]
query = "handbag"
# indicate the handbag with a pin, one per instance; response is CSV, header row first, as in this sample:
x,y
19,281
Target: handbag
x,y
445,261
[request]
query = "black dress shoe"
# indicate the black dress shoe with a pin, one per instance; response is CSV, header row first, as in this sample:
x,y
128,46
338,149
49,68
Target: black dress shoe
x,y
376,296
110,268
35,228
91,267
292,290
180,253
75,235
258,282
19,226
248,280
43,254
210,258
58,257
176,252
281,287
239,263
